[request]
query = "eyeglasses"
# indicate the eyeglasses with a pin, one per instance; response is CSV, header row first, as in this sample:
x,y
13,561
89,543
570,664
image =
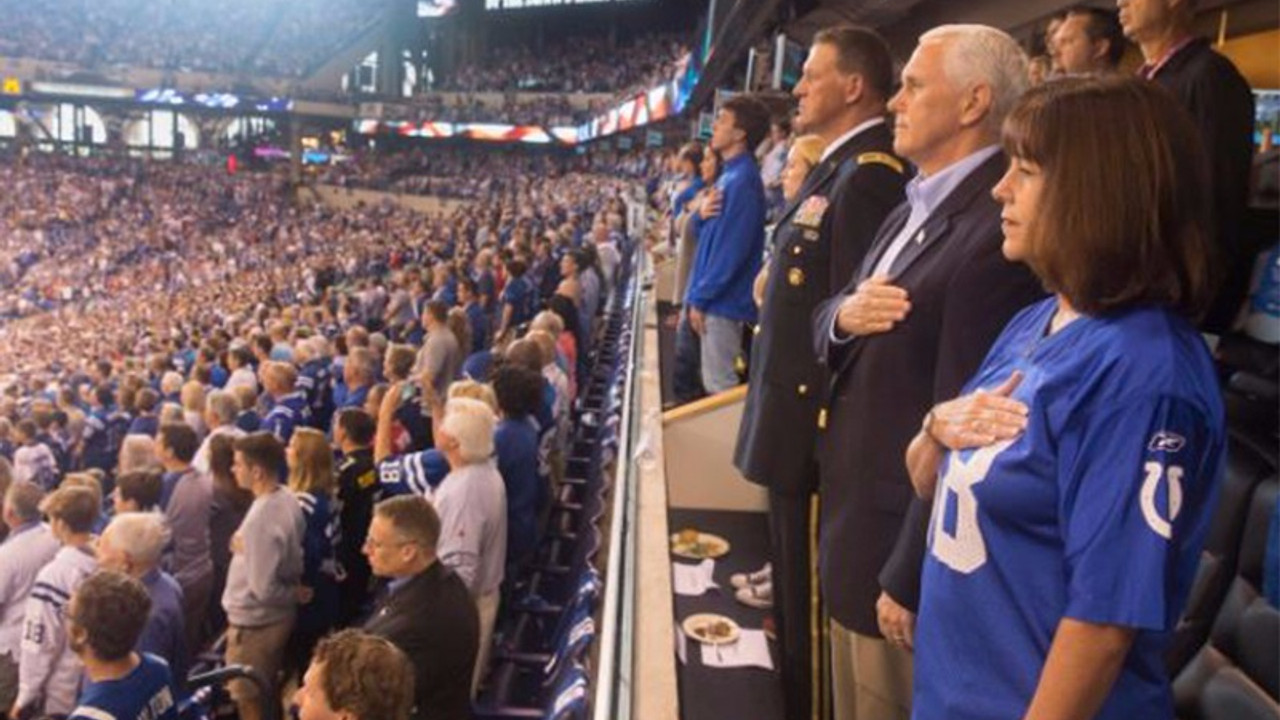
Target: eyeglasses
x,y
373,544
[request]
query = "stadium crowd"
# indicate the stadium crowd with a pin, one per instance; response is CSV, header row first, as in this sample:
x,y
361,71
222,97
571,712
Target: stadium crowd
x,y
478,173
975,336
190,343
588,64
284,38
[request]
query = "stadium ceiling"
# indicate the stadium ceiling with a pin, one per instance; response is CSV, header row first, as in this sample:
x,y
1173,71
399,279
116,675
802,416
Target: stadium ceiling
x,y
812,17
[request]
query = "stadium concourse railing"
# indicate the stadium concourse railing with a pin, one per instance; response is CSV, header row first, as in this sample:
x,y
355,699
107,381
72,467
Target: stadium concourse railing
x,y
635,673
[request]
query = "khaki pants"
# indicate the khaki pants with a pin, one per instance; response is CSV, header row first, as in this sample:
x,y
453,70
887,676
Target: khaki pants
x,y
261,648
870,679
487,606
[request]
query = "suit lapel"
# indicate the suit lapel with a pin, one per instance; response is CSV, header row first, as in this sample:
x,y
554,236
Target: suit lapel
x,y
938,224
981,180
884,238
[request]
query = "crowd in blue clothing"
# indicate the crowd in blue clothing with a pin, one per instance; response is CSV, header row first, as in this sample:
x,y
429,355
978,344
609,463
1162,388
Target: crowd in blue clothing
x,y
498,301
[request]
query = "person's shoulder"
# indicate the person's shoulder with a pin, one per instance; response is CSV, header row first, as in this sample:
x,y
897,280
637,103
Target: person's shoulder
x,y
1151,352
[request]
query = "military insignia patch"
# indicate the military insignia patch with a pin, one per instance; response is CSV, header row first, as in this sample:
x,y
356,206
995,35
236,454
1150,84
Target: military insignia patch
x,y
811,211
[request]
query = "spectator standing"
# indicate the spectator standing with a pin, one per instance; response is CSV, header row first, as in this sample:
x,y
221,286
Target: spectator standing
x,y
1089,41
915,321
48,670
133,544
230,503
25,552
1077,474
1210,87
105,618
718,300
823,232
353,433
266,569
289,409
187,512
311,481
442,644
472,504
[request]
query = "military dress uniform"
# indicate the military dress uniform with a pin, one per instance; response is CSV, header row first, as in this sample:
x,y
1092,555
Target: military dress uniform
x,y
818,242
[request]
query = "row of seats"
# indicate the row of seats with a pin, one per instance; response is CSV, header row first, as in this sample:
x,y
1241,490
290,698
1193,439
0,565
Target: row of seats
x,y
541,658
1225,654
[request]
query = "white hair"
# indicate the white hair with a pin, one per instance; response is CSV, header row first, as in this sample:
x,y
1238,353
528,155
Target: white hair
x,y
222,406
983,55
142,536
171,382
471,423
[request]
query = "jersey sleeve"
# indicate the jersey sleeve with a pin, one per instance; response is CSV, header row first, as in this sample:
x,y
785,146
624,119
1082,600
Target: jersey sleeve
x,y
1136,486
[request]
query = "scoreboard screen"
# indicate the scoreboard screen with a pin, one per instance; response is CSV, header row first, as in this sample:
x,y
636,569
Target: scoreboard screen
x,y
530,4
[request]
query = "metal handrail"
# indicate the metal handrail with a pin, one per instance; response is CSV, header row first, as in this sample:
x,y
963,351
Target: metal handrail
x,y
614,687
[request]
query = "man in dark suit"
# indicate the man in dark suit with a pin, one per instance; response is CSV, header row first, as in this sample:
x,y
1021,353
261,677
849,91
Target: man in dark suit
x,y
427,611
1218,98
915,321
821,236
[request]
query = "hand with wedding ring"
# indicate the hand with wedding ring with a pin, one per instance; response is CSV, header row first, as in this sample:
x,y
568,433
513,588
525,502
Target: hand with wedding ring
x,y
897,624
981,418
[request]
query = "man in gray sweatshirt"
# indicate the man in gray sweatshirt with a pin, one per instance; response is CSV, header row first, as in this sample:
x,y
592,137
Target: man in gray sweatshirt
x,y
265,574
187,499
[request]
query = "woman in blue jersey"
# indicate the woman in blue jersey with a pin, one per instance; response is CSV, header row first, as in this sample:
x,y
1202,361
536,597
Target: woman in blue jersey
x,y
312,481
1074,480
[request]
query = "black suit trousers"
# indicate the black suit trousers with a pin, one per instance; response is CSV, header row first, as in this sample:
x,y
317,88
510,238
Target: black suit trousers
x,y
795,595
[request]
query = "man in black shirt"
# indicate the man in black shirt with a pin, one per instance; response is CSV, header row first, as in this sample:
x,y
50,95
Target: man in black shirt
x,y
427,611
353,432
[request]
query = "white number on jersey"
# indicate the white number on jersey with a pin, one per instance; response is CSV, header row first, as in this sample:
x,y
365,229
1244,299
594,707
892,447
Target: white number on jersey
x,y
963,550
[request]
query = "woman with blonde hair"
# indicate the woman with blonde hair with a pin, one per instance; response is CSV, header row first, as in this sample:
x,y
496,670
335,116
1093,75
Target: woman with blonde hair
x,y
311,478
802,158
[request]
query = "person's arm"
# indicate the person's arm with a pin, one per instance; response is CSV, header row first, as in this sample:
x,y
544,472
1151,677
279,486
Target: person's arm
x,y
1084,661
382,443
504,326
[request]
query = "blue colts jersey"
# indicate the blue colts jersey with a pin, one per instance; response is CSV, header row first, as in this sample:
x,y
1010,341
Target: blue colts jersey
x,y
1097,512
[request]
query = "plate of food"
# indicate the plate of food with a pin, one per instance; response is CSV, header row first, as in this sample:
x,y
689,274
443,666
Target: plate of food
x,y
694,545
711,629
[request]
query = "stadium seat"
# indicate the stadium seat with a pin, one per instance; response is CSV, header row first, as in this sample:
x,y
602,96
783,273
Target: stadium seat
x,y
1238,668
1245,470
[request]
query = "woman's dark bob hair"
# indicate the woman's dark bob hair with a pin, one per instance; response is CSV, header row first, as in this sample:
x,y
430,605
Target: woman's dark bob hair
x,y
1124,214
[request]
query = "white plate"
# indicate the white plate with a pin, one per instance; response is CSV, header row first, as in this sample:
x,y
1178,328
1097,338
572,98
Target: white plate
x,y
707,546
693,623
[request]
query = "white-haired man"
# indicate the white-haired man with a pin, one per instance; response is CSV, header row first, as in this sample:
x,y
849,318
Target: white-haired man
x,y
220,411
910,328
472,504
133,544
